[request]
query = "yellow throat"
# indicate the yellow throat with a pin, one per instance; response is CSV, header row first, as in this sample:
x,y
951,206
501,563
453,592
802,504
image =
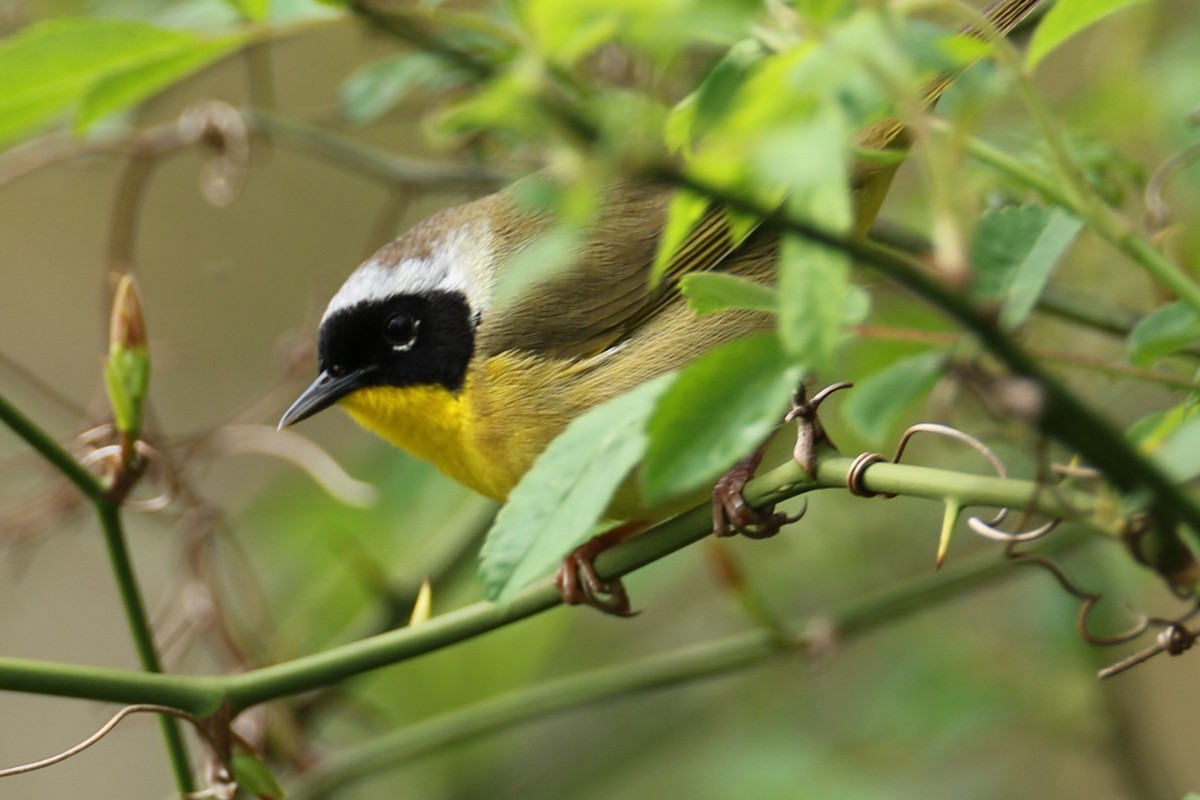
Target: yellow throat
x,y
431,423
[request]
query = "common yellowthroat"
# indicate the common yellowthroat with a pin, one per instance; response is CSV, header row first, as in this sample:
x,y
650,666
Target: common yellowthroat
x,y
417,350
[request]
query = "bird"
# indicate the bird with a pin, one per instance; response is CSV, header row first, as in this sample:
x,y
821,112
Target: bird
x,y
419,347
418,350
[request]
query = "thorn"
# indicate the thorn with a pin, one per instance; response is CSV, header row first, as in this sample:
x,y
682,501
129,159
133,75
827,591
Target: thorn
x,y
949,518
423,607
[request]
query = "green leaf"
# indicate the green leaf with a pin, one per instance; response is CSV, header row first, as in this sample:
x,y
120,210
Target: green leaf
x,y
708,292
1165,330
718,92
1179,455
683,212
1149,432
254,778
858,305
814,292
1014,251
565,32
126,88
814,280
252,10
1064,20
717,411
677,132
559,501
876,403
821,10
374,89
548,254
51,66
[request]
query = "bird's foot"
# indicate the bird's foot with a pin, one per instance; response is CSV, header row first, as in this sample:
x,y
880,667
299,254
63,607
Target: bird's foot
x,y
578,583
731,514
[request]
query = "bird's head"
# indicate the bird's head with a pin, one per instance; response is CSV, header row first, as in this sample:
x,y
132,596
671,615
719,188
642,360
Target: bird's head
x,y
407,316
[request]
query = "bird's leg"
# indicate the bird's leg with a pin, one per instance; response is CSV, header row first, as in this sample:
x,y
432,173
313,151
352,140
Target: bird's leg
x,y
578,583
730,512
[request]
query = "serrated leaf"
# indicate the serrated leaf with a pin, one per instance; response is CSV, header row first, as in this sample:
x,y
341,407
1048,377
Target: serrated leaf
x,y
125,89
1179,455
717,411
1015,251
254,778
1166,330
877,401
51,66
374,89
814,292
559,501
1065,19
708,292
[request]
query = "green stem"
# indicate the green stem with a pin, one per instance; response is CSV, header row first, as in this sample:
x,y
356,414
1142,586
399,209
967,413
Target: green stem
x,y
1090,311
330,666
667,670
370,162
1100,218
195,694
50,450
201,695
110,522
139,626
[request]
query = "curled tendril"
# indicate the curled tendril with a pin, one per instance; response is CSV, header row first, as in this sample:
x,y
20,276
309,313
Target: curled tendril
x,y
107,728
222,127
155,461
1158,211
988,529
1174,637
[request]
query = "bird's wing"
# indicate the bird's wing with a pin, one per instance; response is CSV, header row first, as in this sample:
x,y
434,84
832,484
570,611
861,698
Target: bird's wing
x,y
603,296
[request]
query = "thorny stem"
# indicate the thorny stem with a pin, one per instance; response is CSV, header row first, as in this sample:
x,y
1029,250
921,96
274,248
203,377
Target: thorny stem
x,y
1060,414
666,670
202,695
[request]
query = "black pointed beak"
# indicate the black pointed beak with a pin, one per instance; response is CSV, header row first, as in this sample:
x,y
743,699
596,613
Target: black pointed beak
x,y
324,392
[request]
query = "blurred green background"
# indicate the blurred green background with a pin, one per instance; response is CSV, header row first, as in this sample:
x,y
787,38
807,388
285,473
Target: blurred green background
x,y
989,696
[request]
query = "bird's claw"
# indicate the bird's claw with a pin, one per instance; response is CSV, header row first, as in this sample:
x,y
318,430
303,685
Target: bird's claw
x,y
731,513
578,583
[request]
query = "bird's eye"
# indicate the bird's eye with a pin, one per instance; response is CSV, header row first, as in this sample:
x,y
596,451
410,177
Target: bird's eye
x,y
401,330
